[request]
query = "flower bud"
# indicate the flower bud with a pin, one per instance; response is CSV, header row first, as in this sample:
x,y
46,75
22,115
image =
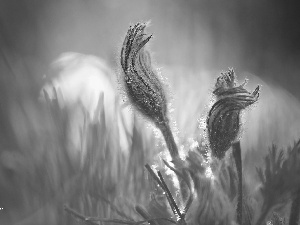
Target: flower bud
x,y
142,84
223,121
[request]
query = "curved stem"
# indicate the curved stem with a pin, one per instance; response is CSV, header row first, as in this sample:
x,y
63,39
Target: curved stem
x,y
169,138
236,150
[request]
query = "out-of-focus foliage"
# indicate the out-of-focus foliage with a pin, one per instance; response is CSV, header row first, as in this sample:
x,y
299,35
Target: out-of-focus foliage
x,y
279,177
37,182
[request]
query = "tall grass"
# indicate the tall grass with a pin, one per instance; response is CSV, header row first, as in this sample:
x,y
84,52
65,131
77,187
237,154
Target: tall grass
x,y
48,173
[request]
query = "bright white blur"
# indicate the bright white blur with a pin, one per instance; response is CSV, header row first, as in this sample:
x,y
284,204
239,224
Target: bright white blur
x,y
79,81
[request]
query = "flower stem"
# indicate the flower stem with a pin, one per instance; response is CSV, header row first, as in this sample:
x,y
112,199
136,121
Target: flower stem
x,y
169,138
236,150
295,210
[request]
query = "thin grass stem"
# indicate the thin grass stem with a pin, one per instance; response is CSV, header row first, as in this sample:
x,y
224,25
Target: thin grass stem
x,y
295,210
78,215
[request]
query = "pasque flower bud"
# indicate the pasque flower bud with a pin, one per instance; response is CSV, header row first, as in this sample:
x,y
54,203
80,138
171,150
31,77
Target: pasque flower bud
x,y
223,121
142,84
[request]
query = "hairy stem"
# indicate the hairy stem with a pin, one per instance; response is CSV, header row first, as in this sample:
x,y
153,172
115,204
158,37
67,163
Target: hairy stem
x,y
169,138
236,150
295,210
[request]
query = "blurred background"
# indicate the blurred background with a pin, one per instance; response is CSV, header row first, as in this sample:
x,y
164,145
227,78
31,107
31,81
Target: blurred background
x,y
261,37
258,37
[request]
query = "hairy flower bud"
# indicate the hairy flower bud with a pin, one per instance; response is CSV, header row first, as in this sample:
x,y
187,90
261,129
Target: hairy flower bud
x,y
223,121
142,84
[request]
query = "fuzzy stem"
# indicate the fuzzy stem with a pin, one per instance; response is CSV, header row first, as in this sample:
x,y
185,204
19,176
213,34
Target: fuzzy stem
x,y
295,209
236,150
169,138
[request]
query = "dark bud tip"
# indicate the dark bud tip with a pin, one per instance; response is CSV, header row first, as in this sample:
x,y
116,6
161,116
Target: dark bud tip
x,y
223,121
142,84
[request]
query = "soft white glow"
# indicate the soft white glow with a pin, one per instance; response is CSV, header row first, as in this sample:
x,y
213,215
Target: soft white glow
x,y
209,173
80,80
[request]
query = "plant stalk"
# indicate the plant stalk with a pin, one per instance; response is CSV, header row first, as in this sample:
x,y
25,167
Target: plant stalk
x,y
295,210
236,150
169,138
